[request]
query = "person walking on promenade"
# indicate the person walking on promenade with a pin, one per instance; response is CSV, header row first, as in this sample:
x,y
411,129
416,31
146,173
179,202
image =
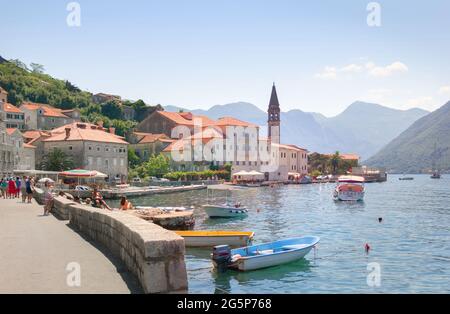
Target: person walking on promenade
x,y
11,188
48,198
29,189
3,187
18,186
23,189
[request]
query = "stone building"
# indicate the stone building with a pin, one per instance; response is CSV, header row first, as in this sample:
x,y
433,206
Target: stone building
x,y
3,95
6,147
164,122
128,113
45,117
278,162
148,144
91,147
15,118
23,153
101,98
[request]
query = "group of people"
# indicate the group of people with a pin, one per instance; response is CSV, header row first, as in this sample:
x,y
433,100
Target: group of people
x,y
96,200
15,187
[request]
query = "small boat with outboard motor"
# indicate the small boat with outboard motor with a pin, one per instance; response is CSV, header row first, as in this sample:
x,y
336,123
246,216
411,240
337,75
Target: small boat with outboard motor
x,y
263,255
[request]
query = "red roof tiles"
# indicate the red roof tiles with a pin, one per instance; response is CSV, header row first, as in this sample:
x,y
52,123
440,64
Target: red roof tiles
x,y
83,132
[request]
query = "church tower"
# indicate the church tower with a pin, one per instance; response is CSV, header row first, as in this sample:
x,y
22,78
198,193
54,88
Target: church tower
x,y
274,117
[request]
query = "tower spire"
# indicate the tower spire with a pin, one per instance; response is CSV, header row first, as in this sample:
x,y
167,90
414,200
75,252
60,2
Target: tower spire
x,y
274,117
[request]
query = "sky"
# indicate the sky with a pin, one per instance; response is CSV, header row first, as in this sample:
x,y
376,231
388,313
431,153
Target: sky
x,y
323,55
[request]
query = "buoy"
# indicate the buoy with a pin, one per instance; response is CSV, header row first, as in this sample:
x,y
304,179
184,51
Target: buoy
x,y
380,220
258,210
367,247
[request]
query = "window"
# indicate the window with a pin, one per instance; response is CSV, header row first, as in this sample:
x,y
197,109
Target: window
x,y
70,147
106,163
90,147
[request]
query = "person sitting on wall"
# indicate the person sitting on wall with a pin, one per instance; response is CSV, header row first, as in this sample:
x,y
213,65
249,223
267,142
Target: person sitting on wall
x,y
98,201
125,204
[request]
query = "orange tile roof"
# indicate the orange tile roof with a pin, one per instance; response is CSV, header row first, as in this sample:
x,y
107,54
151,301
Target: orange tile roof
x,y
186,118
290,147
230,121
84,132
10,131
346,156
150,137
28,145
33,135
11,108
3,90
48,111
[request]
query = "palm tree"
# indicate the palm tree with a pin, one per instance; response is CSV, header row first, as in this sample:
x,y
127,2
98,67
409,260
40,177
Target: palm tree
x,y
335,159
56,160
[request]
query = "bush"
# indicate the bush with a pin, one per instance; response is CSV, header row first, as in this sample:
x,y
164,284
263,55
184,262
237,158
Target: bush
x,y
197,175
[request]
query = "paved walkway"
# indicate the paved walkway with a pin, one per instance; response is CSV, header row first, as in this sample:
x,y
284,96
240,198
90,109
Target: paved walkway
x,y
35,251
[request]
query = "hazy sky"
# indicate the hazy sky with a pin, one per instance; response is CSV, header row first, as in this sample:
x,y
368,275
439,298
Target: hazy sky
x,y
199,53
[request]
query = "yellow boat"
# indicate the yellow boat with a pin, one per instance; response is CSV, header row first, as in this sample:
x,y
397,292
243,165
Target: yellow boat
x,y
214,238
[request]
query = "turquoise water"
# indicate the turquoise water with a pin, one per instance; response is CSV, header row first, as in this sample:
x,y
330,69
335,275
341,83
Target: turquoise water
x,y
411,245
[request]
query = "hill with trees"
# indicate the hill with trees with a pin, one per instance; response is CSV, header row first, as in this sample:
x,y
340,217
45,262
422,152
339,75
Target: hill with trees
x,y
423,146
30,83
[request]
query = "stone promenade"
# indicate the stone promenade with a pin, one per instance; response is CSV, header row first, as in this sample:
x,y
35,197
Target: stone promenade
x,y
35,252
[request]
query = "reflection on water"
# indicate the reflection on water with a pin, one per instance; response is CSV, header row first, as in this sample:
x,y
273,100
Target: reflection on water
x,y
411,244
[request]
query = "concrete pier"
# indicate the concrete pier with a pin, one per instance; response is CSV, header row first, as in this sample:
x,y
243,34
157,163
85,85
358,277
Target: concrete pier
x,y
36,251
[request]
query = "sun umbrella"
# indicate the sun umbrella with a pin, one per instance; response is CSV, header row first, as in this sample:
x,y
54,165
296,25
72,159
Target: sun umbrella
x,y
43,180
82,173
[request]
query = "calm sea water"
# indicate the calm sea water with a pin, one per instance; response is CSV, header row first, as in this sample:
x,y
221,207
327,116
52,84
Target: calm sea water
x,y
412,245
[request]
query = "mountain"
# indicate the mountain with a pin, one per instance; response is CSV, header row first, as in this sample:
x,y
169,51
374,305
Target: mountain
x,y
414,150
359,129
364,128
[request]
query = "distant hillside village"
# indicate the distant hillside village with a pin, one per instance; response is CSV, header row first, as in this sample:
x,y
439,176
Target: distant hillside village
x,y
31,131
126,139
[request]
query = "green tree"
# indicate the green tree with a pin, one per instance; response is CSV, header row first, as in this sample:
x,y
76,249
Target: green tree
x,y
157,166
57,160
335,160
112,109
133,158
37,68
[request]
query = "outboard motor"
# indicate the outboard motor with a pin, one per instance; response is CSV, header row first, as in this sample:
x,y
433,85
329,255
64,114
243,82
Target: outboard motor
x,y
221,257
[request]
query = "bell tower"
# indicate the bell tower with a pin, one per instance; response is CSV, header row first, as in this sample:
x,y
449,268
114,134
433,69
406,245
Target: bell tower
x,y
273,122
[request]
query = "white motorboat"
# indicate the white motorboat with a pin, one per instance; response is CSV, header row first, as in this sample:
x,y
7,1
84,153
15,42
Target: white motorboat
x,y
225,211
263,255
349,189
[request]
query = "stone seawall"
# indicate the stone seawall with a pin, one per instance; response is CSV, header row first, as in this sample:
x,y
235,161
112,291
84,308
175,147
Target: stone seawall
x,y
153,254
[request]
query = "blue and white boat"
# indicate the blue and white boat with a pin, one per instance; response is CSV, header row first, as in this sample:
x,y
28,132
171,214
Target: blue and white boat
x,y
263,255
